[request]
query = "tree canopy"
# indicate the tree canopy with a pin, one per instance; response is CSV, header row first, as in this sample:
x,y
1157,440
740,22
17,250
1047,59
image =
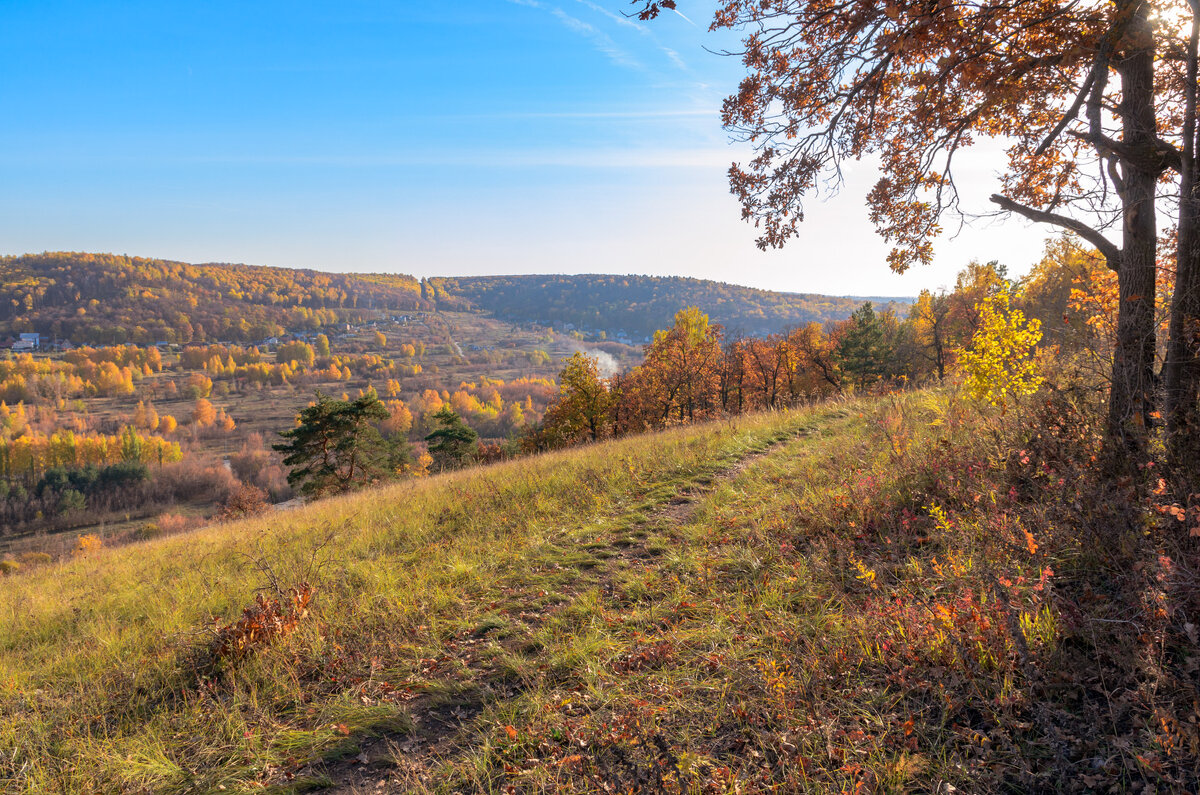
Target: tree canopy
x,y
452,443
336,447
1096,103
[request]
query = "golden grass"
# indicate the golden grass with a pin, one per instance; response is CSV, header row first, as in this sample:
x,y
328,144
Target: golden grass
x,y
869,596
95,652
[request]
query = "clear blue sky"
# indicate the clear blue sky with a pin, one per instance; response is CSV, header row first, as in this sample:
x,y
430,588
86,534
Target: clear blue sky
x,y
481,136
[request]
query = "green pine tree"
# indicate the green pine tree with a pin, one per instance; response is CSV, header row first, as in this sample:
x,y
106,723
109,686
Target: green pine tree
x,y
337,447
452,444
862,353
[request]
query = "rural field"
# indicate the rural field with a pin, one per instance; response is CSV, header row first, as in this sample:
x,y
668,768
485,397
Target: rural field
x,y
143,410
864,595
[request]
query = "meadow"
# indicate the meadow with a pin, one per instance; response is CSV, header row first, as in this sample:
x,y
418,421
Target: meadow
x,y
888,594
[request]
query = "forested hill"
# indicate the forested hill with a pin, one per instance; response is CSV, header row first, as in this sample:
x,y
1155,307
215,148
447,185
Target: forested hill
x,y
107,298
638,305
101,299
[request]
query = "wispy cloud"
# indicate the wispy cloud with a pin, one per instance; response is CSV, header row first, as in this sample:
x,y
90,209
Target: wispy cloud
x,y
675,58
612,158
617,114
625,21
615,17
685,19
600,40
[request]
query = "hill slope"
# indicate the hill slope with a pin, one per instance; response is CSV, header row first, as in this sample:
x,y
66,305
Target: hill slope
x,y
107,298
817,600
639,305
101,299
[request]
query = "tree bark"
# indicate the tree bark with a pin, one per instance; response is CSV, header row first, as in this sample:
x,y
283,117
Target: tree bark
x,y
1182,368
1133,382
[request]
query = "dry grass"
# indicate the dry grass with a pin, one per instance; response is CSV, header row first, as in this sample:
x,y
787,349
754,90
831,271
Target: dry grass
x,y
872,596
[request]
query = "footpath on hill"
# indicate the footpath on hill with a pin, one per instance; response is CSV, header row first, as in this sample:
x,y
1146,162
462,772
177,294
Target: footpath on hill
x,y
632,543
876,595
429,598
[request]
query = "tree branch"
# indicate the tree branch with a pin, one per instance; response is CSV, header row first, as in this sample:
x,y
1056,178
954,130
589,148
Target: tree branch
x,y
1161,157
1112,254
1073,111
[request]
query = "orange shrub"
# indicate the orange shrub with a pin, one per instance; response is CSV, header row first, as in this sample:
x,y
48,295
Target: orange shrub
x,y
88,543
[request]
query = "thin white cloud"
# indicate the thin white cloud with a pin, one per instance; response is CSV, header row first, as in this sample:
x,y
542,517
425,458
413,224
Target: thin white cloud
x,y
680,13
611,114
612,158
600,40
675,58
618,18
625,21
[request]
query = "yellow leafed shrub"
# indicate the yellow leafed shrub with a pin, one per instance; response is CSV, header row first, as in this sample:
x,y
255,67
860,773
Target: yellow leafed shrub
x,y
1001,364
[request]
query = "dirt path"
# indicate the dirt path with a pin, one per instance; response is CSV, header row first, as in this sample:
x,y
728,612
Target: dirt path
x,y
404,762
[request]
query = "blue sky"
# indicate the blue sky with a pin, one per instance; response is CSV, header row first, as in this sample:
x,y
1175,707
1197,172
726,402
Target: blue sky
x,y
480,136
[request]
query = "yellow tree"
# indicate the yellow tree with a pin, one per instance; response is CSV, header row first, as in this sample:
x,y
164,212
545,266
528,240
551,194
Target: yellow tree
x,y
203,413
1001,364
931,319
581,410
682,369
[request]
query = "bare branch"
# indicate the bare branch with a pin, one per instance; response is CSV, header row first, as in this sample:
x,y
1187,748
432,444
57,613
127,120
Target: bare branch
x,y
1112,254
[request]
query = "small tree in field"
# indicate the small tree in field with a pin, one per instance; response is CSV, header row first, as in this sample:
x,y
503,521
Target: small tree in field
x,y
861,352
581,409
1000,364
336,446
452,443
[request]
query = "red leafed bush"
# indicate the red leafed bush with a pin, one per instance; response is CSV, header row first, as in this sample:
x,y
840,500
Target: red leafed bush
x,y
246,501
268,619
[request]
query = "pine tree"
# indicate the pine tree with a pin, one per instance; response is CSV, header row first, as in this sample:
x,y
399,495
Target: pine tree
x,y
862,350
337,447
453,442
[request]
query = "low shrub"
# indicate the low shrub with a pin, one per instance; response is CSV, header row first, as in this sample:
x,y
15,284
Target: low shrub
x,y
88,543
31,559
190,481
246,501
171,523
268,619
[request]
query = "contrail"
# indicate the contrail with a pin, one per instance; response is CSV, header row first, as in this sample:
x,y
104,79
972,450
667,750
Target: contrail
x,y
680,13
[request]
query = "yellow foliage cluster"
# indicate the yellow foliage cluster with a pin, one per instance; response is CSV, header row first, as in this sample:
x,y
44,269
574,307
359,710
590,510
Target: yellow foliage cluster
x,y
24,378
1001,365
32,453
205,415
87,544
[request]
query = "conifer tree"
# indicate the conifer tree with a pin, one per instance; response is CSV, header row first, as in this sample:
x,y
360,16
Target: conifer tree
x,y
337,447
452,442
862,350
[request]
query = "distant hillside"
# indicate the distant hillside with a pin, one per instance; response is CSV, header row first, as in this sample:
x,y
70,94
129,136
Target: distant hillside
x,y
112,299
108,298
639,305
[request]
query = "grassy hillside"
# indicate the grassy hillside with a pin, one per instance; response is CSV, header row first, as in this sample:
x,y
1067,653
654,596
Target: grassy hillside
x,y
640,305
864,596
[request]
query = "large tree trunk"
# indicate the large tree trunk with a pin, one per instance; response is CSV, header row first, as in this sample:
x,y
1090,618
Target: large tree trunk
x,y
1182,368
1132,398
